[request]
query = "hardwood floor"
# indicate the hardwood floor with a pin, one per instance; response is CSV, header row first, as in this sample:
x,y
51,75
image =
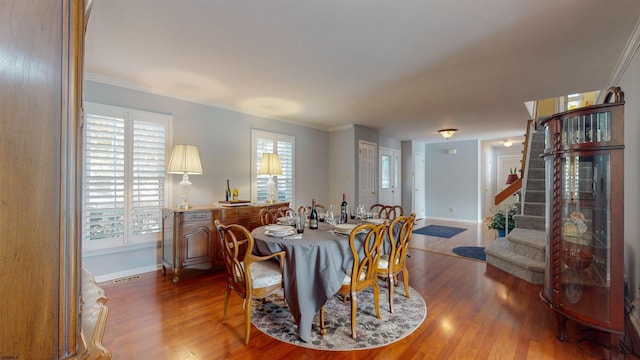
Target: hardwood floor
x,y
473,312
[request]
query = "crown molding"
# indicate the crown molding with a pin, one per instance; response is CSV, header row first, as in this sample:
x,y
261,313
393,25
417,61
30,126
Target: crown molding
x,y
625,58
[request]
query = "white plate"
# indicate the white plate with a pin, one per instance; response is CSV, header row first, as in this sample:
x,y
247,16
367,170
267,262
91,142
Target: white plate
x,y
277,228
377,221
279,233
286,221
345,227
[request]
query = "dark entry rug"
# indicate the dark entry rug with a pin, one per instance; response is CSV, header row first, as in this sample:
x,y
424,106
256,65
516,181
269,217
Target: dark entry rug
x,y
472,252
274,319
439,231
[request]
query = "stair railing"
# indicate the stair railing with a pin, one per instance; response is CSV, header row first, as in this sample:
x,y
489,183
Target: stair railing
x,y
517,185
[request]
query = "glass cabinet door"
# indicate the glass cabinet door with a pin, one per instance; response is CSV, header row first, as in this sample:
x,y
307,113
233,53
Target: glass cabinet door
x,y
585,235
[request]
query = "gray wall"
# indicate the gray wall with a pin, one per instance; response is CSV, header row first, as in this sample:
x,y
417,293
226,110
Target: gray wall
x,y
630,84
452,180
224,141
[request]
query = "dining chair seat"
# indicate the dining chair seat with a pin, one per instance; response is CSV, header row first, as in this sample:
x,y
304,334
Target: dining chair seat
x,y
265,274
347,278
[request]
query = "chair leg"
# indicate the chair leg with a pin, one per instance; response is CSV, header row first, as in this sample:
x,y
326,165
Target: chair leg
x,y
405,277
376,298
323,330
391,285
227,297
354,310
247,320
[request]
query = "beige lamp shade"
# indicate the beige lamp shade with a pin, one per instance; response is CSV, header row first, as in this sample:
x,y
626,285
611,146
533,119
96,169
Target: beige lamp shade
x,y
185,159
270,165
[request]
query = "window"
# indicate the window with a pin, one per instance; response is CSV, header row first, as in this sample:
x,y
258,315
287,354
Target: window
x,y
124,176
284,146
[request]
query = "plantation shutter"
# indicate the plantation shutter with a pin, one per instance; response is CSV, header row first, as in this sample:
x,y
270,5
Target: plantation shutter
x,y
124,176
283,145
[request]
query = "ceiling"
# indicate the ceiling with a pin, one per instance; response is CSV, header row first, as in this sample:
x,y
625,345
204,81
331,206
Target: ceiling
x,y
405,67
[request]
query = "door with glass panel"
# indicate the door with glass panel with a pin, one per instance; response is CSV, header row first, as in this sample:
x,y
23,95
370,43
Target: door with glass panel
x,y
389,177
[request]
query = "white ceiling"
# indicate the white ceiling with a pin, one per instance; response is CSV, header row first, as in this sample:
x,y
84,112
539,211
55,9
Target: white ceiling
x,y
406,67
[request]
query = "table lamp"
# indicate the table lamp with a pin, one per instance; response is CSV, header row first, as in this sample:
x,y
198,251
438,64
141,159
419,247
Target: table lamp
x,y
185,160
270,165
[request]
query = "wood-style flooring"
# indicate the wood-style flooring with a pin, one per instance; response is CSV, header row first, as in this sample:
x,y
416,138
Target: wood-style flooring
x,y
473,312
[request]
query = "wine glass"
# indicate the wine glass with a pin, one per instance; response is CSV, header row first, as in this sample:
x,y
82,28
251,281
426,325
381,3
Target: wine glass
x,y
330,219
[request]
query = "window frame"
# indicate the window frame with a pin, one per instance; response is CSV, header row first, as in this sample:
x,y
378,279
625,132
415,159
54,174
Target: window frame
x,y
130,116
275,137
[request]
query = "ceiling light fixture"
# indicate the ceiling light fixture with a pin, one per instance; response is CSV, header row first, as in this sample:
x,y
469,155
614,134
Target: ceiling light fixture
x,y
447,133
507,143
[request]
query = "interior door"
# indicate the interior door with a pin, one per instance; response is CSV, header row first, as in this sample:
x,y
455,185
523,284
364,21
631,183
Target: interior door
x,y
419,186
389,177
366,174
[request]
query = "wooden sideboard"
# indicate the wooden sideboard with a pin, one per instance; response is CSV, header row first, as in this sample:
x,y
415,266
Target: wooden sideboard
x,y
189,238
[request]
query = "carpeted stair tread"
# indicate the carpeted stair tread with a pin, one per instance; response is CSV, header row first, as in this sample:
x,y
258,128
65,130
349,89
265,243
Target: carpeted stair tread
x,y
499,256
532,238
530,222
500,248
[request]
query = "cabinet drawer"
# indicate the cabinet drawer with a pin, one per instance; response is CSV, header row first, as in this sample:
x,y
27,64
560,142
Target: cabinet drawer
x,y
197,216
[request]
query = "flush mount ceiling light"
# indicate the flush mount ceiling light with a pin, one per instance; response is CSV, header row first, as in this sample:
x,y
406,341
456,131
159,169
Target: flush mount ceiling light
x,y
447,133
507,143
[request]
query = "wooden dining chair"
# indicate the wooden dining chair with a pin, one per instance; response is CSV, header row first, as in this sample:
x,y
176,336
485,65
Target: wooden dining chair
x,y
390,212
366,250
282,211
249,275
268,216
375,208
303,208
398,233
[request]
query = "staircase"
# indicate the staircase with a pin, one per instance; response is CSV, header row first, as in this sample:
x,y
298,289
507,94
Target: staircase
x,y
522,252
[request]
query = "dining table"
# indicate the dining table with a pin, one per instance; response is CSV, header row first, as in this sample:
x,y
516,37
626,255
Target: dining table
x,y
314,269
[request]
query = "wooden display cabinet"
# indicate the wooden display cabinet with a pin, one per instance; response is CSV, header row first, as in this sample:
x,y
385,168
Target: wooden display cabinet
x,y
584,278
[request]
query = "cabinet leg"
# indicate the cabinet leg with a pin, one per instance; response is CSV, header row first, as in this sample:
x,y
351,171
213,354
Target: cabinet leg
x,y
176,273
614,346
561,322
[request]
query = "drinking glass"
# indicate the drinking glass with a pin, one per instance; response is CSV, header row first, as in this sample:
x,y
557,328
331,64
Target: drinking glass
x,y
300,223
361,212
331,218
320,215
291,217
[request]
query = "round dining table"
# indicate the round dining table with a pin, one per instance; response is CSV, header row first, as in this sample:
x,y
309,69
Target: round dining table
x,y
315,266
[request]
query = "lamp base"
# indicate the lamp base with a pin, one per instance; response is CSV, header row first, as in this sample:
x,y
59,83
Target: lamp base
x,y
185,189
271,188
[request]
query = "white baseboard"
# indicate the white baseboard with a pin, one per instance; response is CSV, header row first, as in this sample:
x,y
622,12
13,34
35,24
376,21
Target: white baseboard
x,y
125,273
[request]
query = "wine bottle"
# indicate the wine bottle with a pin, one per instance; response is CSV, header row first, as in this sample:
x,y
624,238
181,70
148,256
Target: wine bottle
x,y
344,212
235,191
227,195
313,217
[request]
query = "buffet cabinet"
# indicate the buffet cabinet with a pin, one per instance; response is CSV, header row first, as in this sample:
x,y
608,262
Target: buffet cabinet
x,y
189,237
584,278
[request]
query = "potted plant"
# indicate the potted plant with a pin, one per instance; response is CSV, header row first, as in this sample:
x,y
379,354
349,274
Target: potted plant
x,y
499,221
513,176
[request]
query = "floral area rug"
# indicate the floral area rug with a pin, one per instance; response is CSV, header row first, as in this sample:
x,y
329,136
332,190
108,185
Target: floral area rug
x,y
274,319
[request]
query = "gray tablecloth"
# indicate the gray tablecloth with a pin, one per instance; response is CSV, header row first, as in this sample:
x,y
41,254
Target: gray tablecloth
x,y
314,269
